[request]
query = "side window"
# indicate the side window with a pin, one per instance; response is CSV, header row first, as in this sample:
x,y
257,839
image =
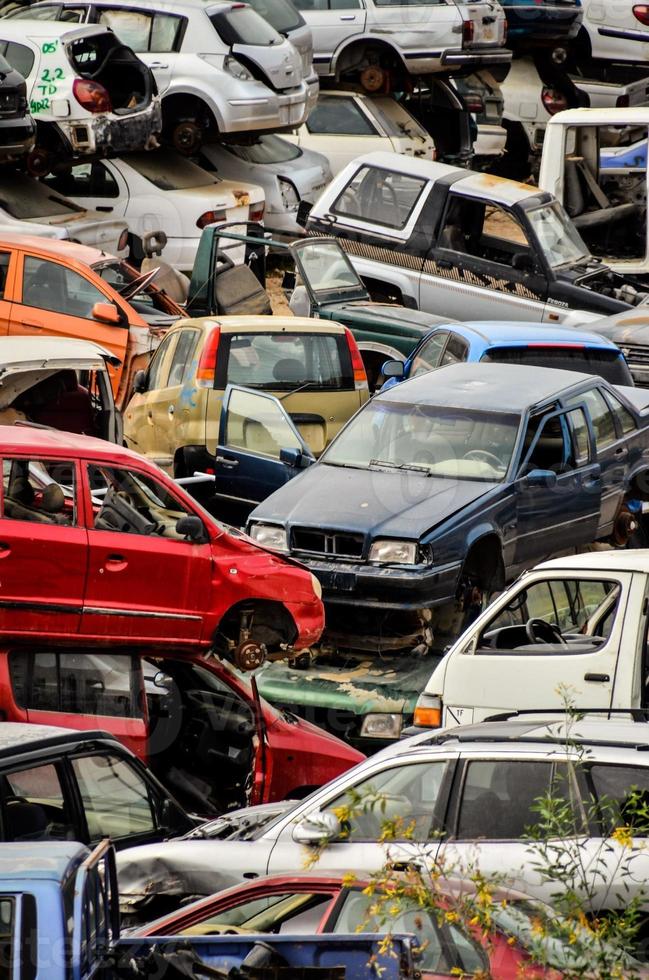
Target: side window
x,y
132,503
409,793
4,269
341,117
625,420
456,350
601,417
547,445
623,795
182,355
39,491
309,5
580,437
132,27
84,180
258,424
34,806
166,33
380,197
79,683
498,797
484,230
20,57
553,616
429,355
154,373
50,286
115,797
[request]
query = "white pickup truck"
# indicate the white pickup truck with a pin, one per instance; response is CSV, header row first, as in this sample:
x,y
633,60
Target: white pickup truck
x,y
578,623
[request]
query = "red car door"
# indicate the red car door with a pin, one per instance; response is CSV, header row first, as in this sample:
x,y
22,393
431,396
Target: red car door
x,y
145,580
82,689
43,547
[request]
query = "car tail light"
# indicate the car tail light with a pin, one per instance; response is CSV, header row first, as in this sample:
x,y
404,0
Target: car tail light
x,y
474,103
428,711
207,363
257,212
91,95
641,13
123,241
468,31
360,375
553,100
211,218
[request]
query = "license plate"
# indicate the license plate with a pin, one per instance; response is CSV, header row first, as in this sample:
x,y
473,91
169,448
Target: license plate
x,y
487,32
340,581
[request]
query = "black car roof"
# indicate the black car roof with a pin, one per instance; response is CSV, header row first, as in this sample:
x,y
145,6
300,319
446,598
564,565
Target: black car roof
x,y
16,738
499,387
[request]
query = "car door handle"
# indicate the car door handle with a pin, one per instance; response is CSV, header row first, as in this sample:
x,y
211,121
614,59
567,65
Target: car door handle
x,y
597,678
348,17
32,323
157,64
621,451
229,464
4,549
103,207
115,563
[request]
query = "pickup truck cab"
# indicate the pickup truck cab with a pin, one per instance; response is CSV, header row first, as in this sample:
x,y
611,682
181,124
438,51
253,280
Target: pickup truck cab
x,y
463,244
577,622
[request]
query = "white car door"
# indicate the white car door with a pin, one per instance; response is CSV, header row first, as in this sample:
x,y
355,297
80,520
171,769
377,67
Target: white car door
x,y
98,186
332,22
412,792
341,129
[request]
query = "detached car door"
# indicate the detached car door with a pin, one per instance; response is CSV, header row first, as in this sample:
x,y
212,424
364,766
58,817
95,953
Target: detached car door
x,y
43,547
259,449
145,580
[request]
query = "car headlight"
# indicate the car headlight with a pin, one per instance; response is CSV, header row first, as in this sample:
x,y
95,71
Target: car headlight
x,y
394,552
382,726
236,69
317,588
269,536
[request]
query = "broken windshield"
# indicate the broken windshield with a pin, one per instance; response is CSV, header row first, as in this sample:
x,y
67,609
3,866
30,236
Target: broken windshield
x,y
560,241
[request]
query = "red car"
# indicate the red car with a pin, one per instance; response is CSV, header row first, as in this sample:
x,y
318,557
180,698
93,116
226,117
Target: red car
x,y
98,544
200,726
310,903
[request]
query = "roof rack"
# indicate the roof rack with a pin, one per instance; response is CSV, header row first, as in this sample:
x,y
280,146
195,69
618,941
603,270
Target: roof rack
x,y
636,714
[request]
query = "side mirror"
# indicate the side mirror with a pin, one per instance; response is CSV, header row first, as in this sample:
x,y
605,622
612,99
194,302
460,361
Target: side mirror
x,y
317,828
163,681
303,212
295,458
191,528
523,262
393,369
541,478
139,382
106,313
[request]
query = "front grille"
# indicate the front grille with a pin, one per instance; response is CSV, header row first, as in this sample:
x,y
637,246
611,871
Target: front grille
x,y
327,544
12,104
638,361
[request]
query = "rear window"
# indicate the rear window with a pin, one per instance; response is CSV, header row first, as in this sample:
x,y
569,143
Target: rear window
x,y
241,25
267,149
380,197
281,14
23,197
170,172
608,364
283,361
88,54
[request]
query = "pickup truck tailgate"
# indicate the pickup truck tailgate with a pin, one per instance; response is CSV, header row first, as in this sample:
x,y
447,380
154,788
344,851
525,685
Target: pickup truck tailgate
x,y
609,95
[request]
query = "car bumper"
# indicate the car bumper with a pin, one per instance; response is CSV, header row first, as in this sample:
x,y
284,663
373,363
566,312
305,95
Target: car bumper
x,y
116,134
17,138
313,90
474,58
384,586
274,111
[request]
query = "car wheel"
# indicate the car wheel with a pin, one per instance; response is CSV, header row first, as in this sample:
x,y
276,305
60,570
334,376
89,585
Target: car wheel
x,y
187,137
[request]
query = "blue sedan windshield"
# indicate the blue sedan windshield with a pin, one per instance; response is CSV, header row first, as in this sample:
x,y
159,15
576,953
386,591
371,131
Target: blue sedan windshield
x,y
438,441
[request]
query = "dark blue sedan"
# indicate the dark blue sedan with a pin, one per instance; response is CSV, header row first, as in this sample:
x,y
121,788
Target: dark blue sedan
x,y
439,492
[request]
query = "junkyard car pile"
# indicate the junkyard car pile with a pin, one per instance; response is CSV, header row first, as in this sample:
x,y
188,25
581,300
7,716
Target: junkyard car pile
x,y
324,429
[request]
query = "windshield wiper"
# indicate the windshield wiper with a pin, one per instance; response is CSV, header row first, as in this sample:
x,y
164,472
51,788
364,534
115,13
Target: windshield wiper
x,y
400,466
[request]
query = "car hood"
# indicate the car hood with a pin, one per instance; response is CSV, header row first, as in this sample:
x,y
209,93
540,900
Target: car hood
x,y
629,328
377,503
362,312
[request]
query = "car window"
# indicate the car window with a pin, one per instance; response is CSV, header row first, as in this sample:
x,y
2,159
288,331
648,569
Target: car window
x,y
601,417
499,797
602,362
555,441
381,197
283,361
240,24
290,912
182,357
623,794
141,30
487,231
35,806
456,350
84,180
78,683
340,116
443,948
4,268
257,424
582,610
50,286
20,57
407,793
115,797
40,491
307,5
154,373
429,354
133,503
625,420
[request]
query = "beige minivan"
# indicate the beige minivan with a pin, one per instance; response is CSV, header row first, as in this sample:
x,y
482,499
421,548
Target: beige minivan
x,y
248,399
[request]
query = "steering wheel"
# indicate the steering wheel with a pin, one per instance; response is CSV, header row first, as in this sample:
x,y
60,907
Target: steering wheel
x,y
539,631
489,458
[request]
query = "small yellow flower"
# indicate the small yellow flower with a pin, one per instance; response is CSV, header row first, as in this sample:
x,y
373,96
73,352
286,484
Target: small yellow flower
x,y
622,836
